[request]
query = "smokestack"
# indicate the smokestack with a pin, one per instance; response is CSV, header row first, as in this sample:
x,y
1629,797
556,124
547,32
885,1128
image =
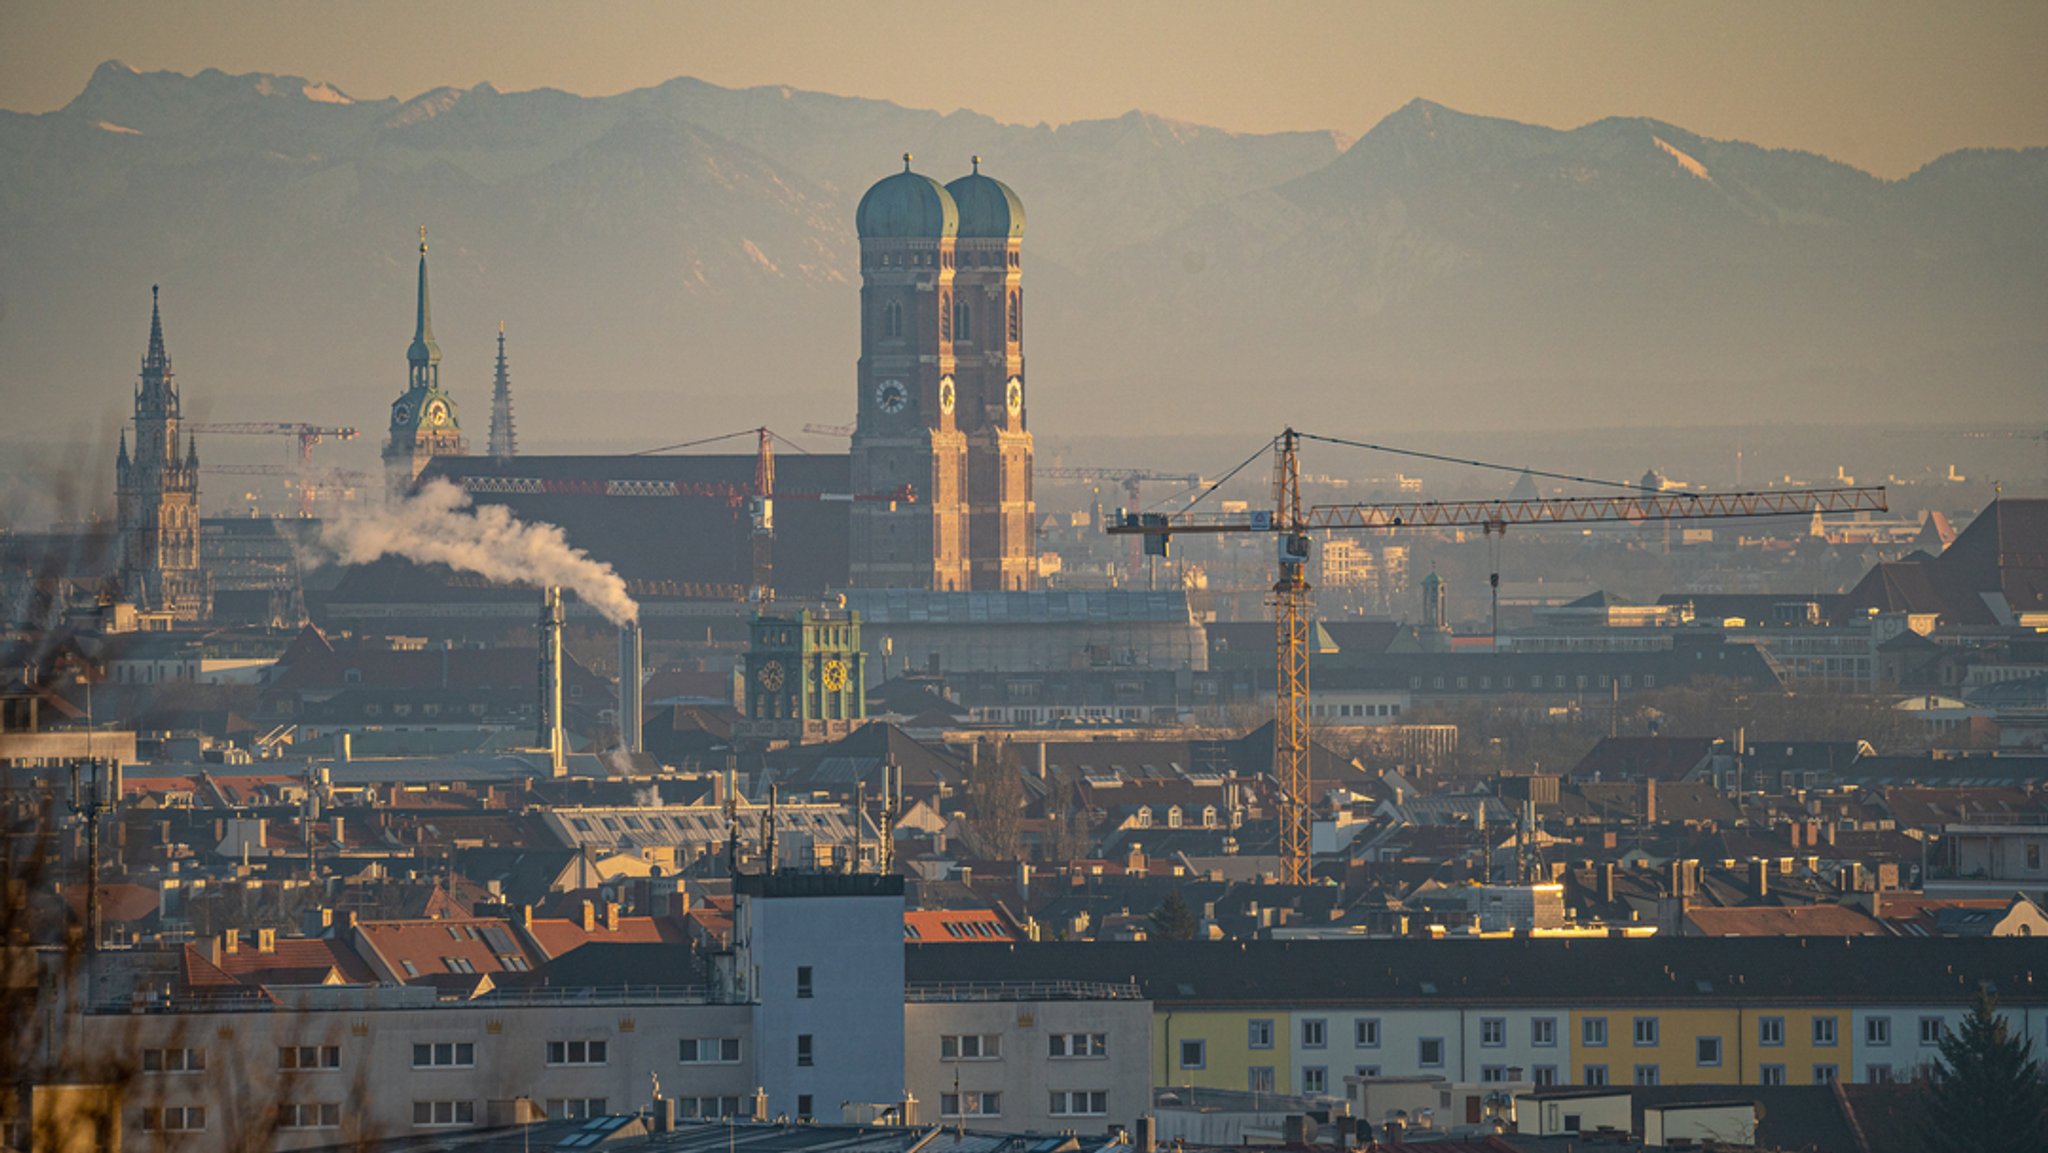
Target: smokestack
x,y
551,679
629,687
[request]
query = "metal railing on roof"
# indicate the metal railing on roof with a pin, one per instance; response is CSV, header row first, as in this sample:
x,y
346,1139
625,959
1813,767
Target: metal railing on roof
x,y
925,992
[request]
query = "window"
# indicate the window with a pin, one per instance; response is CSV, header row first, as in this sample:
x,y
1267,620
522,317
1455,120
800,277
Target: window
x,y
1877,1030
961,316
1315,1079
1493,1074
440,1114
1543,1032
1194,1054
1077,1045
174,1060
1080,1103
1823,1030
1709,1049
1931,1030
715,1106
709,1051
1593,1031
1016,324
1826,1074
576,1052
1877,1074
803,1050
971,1104
305,1057
1493,1032
1770,1031
1261,1034
1259,1079
444,1055
803,1106
1429,1052
1646,1031
1646,1074
576,1108
1366,1070
1314,1033
971,1047
1544,1075
1366,1031
1770,1075
803,981
175,1118
1596,1075
309,1115
892,319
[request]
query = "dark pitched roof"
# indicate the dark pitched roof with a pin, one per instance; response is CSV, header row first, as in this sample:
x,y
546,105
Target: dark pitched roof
x,y
1665,971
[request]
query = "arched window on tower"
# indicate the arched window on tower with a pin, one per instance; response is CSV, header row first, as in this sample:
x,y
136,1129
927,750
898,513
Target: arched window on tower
x,y
892,319
960,317
1016,323
945,316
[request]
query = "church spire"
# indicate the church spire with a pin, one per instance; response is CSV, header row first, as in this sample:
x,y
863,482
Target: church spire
x,y
424,355
156,357
504,443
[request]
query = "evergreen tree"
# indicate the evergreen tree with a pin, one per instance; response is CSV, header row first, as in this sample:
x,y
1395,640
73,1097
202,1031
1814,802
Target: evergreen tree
x,y
1173,920
1987,1093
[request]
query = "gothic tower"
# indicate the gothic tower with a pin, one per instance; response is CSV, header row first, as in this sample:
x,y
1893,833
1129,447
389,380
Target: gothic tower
x,y
423,424
504,442
906,432
157,494
988,345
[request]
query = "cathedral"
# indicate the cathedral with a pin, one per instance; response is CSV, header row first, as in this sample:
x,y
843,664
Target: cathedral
x,y
941,388
423,423
157,495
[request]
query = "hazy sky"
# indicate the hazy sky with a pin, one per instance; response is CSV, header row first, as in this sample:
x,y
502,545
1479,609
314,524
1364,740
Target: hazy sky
x,y
1882,84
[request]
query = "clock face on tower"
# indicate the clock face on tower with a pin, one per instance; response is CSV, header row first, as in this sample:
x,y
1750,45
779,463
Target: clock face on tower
x,y
770,676
401,413
891,396
946,396
436,413
835,676
1014,396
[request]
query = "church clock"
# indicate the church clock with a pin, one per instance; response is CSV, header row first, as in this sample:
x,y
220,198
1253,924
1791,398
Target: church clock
x,y
891,396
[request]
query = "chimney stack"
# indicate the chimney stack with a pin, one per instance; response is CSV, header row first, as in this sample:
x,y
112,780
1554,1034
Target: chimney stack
x,y
551,679
1760,877
589,917
629,687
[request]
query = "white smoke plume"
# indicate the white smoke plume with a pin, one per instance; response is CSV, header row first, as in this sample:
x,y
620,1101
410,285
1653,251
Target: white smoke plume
x,y
438,525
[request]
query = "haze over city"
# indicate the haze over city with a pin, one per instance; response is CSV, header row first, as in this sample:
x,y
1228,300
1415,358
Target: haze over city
x,y
544,604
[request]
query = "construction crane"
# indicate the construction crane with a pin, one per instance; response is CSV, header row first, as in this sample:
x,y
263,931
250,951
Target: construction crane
x,y
830,429
308,435
1292,522
1132,480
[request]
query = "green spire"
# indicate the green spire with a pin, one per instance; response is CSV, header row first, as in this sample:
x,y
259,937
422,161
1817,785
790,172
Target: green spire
x,y
424,351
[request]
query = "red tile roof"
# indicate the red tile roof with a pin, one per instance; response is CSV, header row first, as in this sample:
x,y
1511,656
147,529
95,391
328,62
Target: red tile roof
x,y
405,951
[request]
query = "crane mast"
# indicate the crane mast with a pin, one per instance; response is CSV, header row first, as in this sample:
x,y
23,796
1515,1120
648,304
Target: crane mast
x,y
1291,621
1291,522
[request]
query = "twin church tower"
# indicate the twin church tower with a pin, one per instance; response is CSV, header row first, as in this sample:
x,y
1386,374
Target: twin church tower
x,y
941,379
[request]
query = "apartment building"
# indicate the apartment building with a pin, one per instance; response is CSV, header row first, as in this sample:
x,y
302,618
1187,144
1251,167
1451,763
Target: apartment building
x,y
1297,1017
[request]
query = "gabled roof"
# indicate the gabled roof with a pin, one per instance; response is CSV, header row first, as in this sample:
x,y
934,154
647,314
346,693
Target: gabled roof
x,y
407,951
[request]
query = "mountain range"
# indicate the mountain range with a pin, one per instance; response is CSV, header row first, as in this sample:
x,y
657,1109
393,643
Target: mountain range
x,y
680,261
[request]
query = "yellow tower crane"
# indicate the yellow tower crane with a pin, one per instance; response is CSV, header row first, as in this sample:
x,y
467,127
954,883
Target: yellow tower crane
x,y
1291,521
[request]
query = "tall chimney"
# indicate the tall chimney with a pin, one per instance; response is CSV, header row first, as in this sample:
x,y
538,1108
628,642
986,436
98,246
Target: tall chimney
x,y
629,687
551,679
1760,877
